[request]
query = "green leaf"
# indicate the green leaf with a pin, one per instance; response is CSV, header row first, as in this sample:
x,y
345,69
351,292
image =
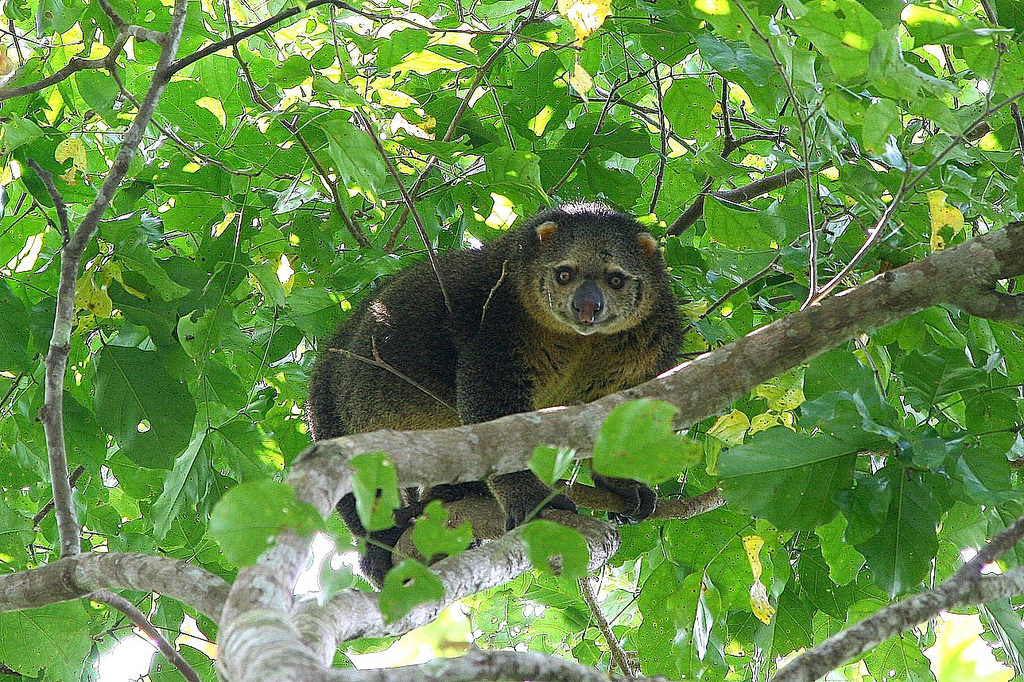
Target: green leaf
x,y
556,549
54,638
406,586
899,658
637,441
135,255
881,120
730,226
249,516
433,537
788,478
375,485
14,338
844,562
900,554
929,26
688,105
189,480
354,155
148,412
551,463
932,378
843,31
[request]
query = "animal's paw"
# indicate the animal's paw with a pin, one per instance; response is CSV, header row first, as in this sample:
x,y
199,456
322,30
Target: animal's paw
x,y
640,501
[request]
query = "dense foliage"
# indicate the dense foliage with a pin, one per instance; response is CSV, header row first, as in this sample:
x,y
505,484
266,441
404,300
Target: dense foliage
x,y
259,210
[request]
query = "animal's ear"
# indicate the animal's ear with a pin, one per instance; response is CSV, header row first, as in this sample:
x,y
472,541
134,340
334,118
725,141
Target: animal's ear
x,y
546,229
647,243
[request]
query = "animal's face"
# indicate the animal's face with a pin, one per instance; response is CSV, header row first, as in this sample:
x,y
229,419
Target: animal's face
x,y
593,280
592,294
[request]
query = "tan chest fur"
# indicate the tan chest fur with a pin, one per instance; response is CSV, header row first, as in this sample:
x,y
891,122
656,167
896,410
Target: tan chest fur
x,y
568,370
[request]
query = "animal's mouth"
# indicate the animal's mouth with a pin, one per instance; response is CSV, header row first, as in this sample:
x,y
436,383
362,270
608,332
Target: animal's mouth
x,y
593,325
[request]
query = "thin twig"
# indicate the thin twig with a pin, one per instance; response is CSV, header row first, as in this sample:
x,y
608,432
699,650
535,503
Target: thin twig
x,y
72,480
619,656
659,180
58,200
494,290
457,116
586,146
802,120
1015,112
321,172
769,183
377,361
417,221
139,619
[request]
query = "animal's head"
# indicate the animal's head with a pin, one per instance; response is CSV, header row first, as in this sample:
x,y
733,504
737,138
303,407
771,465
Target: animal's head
x,y
592,269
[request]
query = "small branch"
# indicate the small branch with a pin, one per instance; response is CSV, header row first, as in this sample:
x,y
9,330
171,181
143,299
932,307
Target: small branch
x,y
52,413
457,116
75,65
353,615
321,172
586,146
683,508
659,179
58,200
138,618
1015,112
494,290
802,118
876,231
619,656
41,514
769,183
741,286
407,200
966,586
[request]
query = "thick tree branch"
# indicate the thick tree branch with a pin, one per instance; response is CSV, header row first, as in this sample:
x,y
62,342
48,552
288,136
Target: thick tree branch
x,y
484,665
700,388
81,575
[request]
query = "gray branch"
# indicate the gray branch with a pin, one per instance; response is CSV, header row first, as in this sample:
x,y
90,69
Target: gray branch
x,y
81,575
52,414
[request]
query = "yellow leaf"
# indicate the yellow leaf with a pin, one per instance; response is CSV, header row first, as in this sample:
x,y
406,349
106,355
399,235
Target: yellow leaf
x,y
6,65
764,421
585,16
581,81
394,98
215,107
759,604
74,149
92,298
425,62
942,215
730,428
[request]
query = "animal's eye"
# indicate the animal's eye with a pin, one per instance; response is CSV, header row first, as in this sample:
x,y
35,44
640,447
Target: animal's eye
x,y
564,274
616,280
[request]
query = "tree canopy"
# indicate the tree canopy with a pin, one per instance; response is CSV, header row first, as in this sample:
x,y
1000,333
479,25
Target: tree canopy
x,y
194,193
